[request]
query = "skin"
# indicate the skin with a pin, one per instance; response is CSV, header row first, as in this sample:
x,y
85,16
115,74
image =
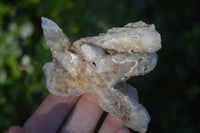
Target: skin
x,y
84,117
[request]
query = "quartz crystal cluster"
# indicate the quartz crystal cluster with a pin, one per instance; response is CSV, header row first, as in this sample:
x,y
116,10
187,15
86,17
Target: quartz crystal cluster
x,y
101,65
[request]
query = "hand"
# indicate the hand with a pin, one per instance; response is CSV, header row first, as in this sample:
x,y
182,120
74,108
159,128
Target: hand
x,y
83,119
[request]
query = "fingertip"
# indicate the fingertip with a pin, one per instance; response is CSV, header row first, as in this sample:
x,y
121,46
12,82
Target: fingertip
x,y
110,125
15,129
89,99
122,130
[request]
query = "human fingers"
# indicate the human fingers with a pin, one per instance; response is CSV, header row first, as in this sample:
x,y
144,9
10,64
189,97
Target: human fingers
x,y
15,129
84,117
112,125
50,114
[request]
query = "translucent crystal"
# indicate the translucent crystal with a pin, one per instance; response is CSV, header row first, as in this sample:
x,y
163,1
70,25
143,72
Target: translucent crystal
x,y
101,65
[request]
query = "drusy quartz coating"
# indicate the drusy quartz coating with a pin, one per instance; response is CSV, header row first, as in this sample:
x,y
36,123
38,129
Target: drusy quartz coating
x,y
101,65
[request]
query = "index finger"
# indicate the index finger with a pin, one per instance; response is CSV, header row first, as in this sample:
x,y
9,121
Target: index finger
x,y
50,114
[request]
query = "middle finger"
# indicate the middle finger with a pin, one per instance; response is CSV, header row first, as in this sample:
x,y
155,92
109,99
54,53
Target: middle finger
x,y
84,117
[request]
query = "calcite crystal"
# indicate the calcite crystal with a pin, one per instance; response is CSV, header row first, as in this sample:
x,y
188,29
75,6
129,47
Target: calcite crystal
x,y
101,65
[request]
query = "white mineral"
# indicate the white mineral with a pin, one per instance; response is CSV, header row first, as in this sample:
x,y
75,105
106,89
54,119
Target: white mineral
x,y
100,65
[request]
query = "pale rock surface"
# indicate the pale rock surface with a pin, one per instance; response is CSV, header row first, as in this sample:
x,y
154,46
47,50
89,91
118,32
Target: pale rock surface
x,y
100,65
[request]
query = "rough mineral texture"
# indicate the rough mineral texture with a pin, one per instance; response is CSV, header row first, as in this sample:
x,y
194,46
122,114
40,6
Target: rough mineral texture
x,y
100,65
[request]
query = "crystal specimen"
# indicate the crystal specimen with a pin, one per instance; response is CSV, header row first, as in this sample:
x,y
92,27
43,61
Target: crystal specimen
x,y
101,65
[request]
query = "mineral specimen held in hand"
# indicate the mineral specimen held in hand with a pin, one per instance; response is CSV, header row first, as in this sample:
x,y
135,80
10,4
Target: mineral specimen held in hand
x,y
100,65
